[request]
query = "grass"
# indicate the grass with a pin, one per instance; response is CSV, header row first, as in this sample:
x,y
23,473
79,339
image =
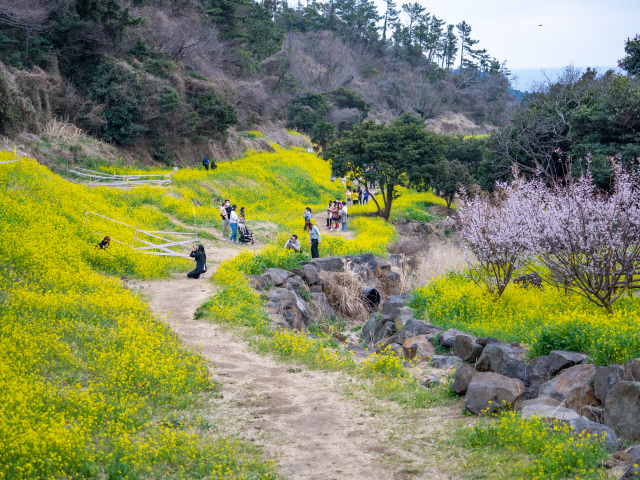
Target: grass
x,y
546,319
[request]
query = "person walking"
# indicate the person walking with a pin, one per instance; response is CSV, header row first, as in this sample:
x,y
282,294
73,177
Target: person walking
x,y
343,217
349,198
197,253
315,238
225,208
307,215
205,162
335,215
329,215
233,220
365,199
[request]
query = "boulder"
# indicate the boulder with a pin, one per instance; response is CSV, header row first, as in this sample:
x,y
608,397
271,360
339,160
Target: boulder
x,y
448,337
632,370
465,347
413,328
294,284
383,264
504,359
397,349
490,391
310,274
369,327
298,271
606,378
360,352
634,453
538,372
559,360
257,282
391,282
364,261
287,304
490,340
316,288
585,426
542,401
622,410
278,322
445,361
549,413
418,348
393,307
573,388
464,375
385,342
401,320
320,307
328,264
276,276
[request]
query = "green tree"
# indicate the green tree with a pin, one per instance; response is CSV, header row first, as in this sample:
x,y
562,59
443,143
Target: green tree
x,y
322,134
454,176
390,155
631,62
466,42
390,18
345,98
449,46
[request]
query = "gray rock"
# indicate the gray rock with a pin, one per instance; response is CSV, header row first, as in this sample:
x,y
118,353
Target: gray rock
x,y
634,453
413,328
559,360
490,391
548,412
287,304
316,288
364,261
369,327
464,375
360,352
448,337
310,274
278,322
418,348
432,382
383,264
573,388
277,276
328,264
545,401
445,361
504,359
294,284
320,307
622,410
401,320
632,370
395,259
606,378
465,347
538,372
393,307
585,426
257,282
298,271
397,349
385,342
391,282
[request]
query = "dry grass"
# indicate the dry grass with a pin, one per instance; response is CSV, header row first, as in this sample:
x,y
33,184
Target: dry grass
x,y
344,293
437,261
64,131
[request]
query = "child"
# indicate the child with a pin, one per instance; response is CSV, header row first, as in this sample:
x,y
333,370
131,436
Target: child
x,y
104,244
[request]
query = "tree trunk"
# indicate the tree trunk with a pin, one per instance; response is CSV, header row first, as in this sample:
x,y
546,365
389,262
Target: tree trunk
x,y
388,201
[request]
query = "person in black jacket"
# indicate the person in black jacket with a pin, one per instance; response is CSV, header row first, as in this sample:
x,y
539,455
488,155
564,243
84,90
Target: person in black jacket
x,y
201,262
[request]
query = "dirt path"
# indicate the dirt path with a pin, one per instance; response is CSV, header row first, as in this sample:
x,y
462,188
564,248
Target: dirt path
x,y
309,428
321,222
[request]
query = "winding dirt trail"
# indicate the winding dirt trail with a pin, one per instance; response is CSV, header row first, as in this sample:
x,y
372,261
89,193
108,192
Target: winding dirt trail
x,y
298,416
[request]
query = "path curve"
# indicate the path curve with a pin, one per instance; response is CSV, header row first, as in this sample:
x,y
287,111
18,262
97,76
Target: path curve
x,y
311,431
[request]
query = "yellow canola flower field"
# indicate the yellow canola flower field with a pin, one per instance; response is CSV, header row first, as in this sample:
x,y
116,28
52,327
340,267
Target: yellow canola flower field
x,y
86,372
547,319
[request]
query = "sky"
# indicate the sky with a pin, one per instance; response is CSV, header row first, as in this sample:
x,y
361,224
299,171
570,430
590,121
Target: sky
x,y
578,32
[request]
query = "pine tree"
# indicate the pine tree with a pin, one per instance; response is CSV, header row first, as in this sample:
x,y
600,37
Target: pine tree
x,y
464,30
390,18
631,62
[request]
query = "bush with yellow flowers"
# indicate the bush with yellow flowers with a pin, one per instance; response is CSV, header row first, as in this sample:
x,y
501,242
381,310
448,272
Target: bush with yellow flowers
x,y
547,318
555,451
85,369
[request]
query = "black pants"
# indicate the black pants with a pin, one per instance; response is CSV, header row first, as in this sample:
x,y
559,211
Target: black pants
x,y
328,223
314,248
206,166
195,273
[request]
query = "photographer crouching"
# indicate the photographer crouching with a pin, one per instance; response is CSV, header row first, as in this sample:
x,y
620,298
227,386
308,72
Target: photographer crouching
x,y
197,253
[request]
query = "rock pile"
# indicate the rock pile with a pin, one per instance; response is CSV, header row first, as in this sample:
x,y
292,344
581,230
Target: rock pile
x,y
284,290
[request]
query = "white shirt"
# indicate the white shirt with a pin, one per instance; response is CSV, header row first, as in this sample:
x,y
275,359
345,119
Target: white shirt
x,y
295,245
233,217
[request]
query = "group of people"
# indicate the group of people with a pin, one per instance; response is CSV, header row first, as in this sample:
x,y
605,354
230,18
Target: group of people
x,y
337,214
206,163
357,196
232,221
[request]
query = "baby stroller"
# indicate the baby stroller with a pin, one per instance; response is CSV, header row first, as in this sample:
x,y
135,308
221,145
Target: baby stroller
x,y
246,237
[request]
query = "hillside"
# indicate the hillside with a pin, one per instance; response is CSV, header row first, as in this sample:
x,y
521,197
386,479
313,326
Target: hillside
x,y
167,82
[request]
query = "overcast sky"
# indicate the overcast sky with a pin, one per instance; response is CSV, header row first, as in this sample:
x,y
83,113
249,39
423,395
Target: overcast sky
x,y
581,32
